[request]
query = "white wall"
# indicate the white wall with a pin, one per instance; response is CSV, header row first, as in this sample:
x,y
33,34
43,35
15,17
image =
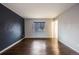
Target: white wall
x,y
29,30
68,24
56,29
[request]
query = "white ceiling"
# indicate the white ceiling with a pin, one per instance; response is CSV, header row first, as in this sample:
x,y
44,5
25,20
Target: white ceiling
x,y
38,10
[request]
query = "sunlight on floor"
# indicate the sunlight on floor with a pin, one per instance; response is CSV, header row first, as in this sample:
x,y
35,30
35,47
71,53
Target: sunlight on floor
x,y
38,47
55,48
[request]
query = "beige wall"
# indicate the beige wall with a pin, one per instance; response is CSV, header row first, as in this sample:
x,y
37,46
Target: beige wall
x,y
68,28
29,30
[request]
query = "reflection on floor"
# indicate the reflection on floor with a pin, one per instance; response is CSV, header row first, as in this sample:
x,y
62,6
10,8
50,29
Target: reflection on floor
x,y
40,46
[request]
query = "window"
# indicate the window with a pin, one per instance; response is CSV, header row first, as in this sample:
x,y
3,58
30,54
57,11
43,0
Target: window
x,y
39,26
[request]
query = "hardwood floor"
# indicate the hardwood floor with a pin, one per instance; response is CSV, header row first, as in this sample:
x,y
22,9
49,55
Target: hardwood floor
x,y
40,46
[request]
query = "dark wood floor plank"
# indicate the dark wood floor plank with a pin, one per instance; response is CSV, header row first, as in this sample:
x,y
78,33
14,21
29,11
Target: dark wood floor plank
x,y
40,46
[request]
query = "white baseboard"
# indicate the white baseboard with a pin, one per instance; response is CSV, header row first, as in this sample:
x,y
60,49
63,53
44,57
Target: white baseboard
x,y
10,46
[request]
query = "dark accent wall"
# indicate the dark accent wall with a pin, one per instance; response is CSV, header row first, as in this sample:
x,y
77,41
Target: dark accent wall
x,y
11,27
